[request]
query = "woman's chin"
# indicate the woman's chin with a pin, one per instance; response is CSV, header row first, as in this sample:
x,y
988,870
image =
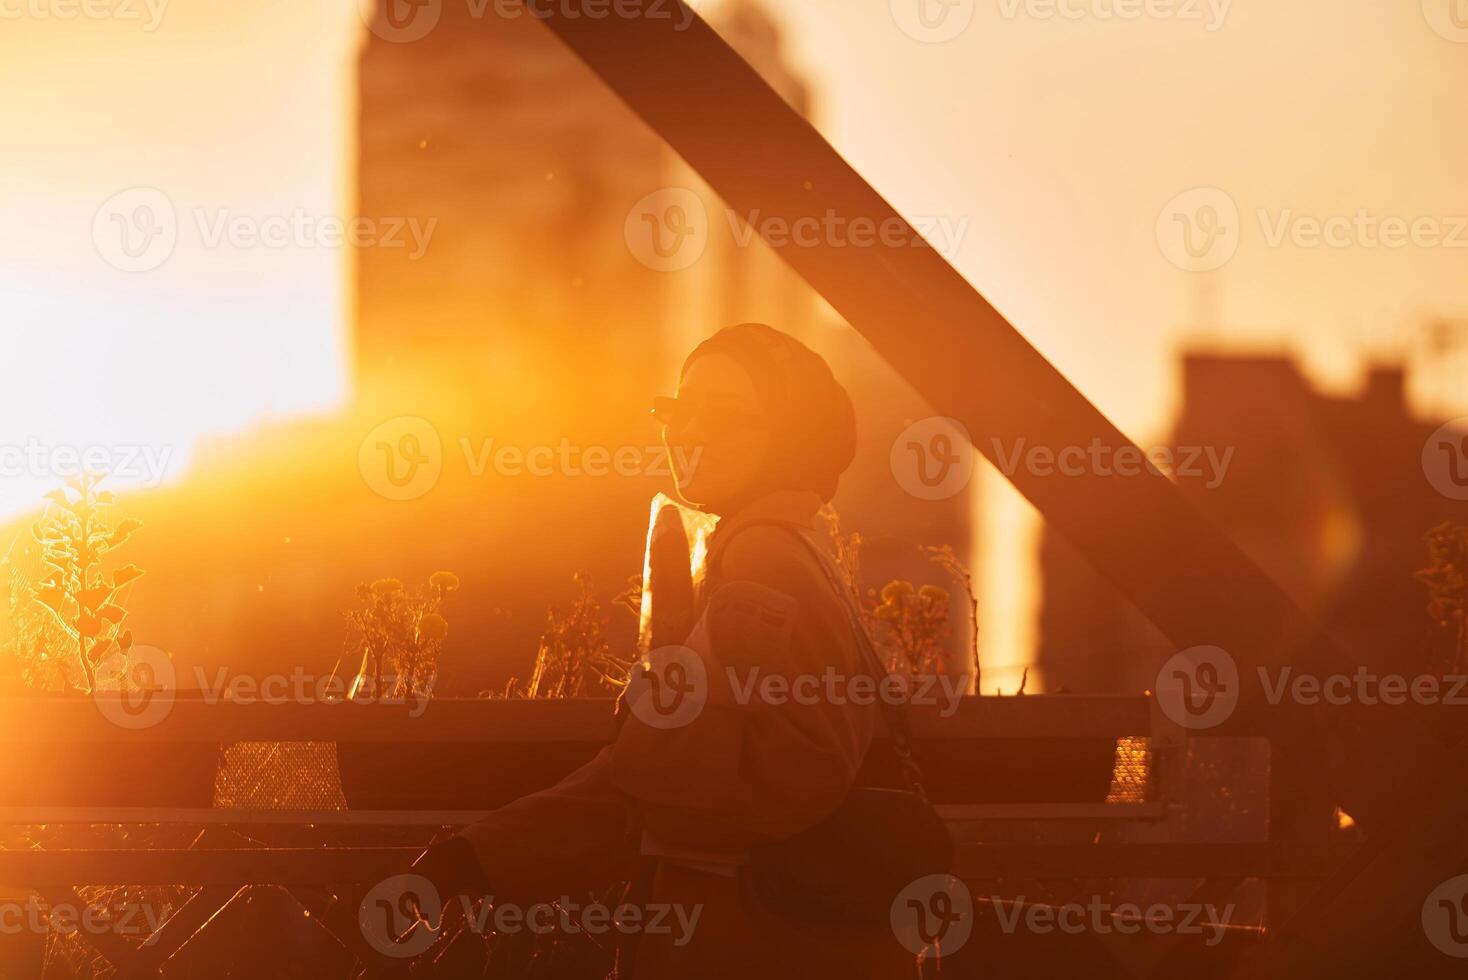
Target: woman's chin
x,y
710,488
698,493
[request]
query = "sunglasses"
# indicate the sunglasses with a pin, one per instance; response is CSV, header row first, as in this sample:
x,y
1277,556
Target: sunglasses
x,y
677,414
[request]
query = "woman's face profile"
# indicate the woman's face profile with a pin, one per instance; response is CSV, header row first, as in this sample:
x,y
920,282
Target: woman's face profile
x,y
718,441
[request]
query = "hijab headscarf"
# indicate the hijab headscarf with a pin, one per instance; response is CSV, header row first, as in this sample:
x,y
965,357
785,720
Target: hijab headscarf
x,y
812,422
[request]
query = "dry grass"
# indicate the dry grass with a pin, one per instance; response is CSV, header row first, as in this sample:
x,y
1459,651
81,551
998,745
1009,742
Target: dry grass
x,y
397,634
574,658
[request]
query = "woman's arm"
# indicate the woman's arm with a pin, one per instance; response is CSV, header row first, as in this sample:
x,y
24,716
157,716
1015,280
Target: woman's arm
x,y
577,835
778,744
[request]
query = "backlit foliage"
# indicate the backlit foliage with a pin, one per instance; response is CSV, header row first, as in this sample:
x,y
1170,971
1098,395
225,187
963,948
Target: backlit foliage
x,y
909,624
71,614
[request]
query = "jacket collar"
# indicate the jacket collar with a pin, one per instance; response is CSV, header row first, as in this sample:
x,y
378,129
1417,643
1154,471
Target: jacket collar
x,y
792,506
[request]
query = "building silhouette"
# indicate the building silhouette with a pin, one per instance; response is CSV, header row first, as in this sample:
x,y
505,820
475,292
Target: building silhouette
x,y
1327,493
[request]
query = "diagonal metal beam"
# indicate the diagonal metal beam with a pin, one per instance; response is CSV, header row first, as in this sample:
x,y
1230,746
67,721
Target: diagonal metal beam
x,y
969,363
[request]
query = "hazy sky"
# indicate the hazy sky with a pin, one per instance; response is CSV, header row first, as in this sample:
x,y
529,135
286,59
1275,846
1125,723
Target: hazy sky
x,y
1058,131
234,110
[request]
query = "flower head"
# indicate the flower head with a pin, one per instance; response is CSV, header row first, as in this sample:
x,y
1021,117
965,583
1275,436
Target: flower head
x,y
896,591
386,586
433,628
933,594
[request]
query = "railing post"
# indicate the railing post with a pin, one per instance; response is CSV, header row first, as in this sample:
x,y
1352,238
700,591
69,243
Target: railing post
x,y
1301,811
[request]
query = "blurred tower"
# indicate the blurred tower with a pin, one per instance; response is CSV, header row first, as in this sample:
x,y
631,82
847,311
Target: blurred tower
x,y
489,127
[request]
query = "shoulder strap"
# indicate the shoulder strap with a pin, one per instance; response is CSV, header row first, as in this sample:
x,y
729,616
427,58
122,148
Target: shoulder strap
x,y
894,713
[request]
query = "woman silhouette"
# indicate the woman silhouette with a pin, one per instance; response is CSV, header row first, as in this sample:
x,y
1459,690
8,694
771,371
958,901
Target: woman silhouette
x,y
759,434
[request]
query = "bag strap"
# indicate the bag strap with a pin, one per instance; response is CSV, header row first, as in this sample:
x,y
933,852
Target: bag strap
x,y
894,713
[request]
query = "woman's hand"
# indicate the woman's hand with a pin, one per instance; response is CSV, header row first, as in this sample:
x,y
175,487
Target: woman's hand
x,y
453,868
